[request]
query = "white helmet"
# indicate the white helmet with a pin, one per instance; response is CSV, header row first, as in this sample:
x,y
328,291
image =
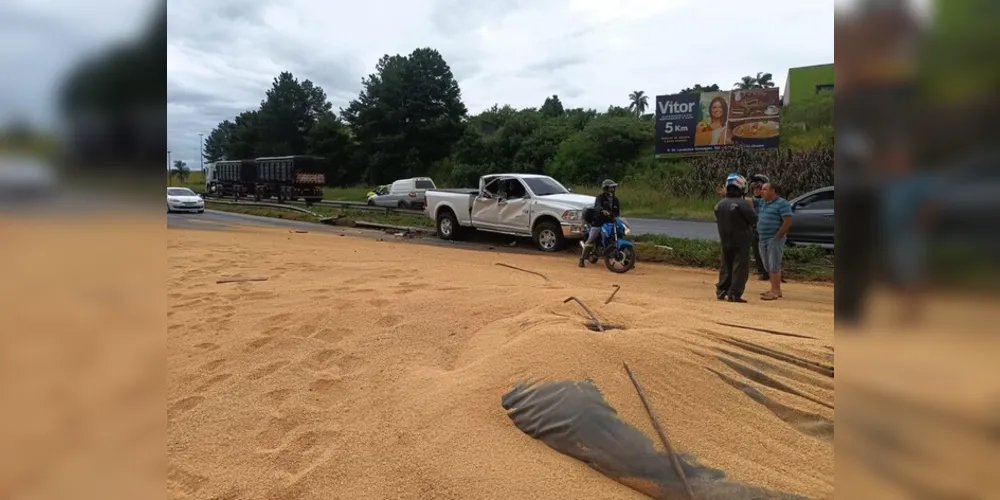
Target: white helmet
x,y
737,180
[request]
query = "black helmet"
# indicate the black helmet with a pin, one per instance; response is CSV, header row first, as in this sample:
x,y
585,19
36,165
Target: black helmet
x,y
758,180
608,184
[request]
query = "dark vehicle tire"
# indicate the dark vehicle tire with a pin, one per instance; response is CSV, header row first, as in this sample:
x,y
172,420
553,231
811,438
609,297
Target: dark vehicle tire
x,y
548,237
628,260
447,226
401,205
371,203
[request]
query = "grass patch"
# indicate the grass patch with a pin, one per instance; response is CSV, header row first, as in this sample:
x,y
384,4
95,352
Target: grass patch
x,y
645,201
800,263
356,193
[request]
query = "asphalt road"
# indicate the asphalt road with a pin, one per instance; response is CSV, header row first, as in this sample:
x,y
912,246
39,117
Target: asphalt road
x,y
687,229
213,219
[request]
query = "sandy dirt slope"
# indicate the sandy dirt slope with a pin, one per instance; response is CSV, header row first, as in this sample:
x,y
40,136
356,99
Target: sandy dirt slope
x,y
367,369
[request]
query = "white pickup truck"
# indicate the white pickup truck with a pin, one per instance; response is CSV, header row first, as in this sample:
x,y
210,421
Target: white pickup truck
x,y
516,204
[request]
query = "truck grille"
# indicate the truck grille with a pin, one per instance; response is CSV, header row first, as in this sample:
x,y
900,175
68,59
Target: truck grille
x,y
304,178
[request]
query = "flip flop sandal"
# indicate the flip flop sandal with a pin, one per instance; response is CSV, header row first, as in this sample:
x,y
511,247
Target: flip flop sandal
x,y
770,297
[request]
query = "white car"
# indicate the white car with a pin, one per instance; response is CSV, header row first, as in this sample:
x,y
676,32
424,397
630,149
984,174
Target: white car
x,y
180,199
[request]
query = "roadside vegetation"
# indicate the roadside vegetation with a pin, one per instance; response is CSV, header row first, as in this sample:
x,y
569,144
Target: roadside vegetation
x,y
365,145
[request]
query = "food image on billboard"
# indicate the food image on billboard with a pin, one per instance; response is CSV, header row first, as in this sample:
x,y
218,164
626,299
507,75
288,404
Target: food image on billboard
x,y
753,117
710,121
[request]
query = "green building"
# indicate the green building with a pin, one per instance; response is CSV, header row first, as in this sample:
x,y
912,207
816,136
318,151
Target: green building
x,y
807,81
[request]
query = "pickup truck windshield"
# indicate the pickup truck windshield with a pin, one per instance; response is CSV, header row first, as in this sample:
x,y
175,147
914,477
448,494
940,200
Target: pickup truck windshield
x,y
544,186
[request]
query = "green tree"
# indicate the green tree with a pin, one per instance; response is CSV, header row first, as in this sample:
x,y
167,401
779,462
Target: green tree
x,y
605,148
638,102
761,81
745,83
764,80
408,115
331,139
698,88
287,114
246,137
552,108
180,170
218,142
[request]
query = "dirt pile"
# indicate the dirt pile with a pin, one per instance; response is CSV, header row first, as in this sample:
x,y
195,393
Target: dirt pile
x,y
373,369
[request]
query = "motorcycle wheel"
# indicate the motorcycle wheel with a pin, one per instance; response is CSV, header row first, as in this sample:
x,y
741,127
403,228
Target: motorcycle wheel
x,y
620,261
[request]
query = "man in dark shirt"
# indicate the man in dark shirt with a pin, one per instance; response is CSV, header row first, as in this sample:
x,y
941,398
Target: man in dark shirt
x,y
606,209
735,217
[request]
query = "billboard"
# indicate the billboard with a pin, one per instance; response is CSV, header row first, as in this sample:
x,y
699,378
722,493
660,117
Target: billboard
x,y
709,121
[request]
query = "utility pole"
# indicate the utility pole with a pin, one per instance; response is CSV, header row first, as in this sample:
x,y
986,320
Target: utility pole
x,y
170,178
201,151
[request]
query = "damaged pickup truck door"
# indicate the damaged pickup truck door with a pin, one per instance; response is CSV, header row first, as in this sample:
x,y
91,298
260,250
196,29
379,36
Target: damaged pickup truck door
x,y
514,207
485,207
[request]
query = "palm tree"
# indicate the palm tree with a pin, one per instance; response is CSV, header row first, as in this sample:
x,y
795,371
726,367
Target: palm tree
x,y
747,82
180,170
764,80
638,102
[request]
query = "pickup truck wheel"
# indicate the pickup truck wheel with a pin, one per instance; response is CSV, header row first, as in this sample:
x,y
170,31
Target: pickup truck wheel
x,y
548,236
447,226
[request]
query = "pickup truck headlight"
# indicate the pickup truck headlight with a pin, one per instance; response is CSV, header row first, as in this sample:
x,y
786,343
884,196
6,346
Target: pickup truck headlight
x,y
572,215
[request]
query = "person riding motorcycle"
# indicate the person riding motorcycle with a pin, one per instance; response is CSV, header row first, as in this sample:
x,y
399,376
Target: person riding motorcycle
x,y
606,209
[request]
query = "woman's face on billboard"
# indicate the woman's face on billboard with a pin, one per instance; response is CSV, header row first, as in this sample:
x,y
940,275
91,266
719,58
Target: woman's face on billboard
x,y
716,110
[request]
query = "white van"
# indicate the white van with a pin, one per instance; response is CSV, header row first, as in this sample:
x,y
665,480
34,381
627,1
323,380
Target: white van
x,y
405,193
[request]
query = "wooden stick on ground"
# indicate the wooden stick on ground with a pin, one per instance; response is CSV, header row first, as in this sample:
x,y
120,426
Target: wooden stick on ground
x,y
765,330
617,287
544,277
659,430
240,280
590,313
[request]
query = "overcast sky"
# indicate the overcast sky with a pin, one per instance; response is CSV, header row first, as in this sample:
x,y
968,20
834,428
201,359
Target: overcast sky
x,y
223,54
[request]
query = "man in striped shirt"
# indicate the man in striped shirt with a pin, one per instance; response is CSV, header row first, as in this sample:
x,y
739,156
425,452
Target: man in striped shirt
x,y
774,218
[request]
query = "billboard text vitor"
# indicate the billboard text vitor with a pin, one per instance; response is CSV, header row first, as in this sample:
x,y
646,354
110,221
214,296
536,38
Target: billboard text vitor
x,y
710,121
676,118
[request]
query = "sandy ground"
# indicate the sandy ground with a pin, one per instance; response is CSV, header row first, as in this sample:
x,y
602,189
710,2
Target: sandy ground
x,y
367,369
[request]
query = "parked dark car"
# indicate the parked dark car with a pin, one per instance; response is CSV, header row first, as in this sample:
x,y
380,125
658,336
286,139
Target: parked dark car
x,y
812,219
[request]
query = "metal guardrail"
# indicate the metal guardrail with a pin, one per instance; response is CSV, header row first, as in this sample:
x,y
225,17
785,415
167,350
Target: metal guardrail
x,y
331,220
353,205
264,204
360,205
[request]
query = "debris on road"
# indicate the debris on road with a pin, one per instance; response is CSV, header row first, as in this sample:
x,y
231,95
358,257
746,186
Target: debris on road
x,y
617,287
659,431
593,316
546,278
241,280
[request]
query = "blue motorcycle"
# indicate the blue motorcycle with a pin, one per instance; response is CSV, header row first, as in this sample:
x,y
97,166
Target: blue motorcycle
x,y
618,252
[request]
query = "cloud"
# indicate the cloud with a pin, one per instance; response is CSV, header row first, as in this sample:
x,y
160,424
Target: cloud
x,y
222,55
